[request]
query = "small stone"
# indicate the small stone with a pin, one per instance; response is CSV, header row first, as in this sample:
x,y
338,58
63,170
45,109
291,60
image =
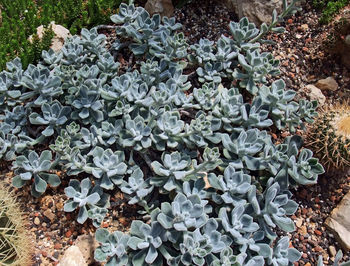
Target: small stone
x,y
290,21
327,84
48,214
68,233
318,249
332,250
318,232
162,7
304,27
57,246
308,264
36,221
87,245
304,211
304,256
339,222
299,222
314,93
73,257
298,36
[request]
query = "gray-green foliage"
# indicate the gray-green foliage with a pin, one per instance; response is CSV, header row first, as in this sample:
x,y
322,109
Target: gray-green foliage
x,y
193,151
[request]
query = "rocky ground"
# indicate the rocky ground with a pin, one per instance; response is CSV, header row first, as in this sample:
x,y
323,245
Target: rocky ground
x,y
303,62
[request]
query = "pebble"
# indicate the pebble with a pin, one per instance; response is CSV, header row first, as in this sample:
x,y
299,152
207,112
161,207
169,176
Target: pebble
x,y
332,250
318,232
36,221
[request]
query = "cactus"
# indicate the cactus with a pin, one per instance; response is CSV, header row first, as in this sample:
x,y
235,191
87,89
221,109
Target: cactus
x,y
14,239
329,137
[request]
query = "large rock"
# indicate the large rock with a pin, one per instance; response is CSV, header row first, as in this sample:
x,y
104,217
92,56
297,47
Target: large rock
x,y
61,33
339,222
314,93
72,257
327,84
257,11
162,7
87,245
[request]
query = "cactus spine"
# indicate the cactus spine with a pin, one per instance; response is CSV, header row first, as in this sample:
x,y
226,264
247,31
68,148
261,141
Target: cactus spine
x,y
15,242
329,137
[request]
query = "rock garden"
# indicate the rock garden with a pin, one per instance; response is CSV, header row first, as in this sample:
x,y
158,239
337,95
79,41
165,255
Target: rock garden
x,y
176,132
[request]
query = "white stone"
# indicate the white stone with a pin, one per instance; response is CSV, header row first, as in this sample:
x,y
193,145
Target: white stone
x,y
61,33
162,7
339,222
314,93
87,245
327,84
73,257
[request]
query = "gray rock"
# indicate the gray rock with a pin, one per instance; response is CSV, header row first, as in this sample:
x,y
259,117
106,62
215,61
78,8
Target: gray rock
x,y
339,222
162,7
314,93
72,257
257,11
327,84
87,245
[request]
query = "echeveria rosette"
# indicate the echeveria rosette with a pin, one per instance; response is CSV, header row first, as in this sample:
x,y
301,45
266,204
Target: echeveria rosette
x,y
276,205
82,195
88,107
169,125
183,214
233,186
53,115
136,134
193,250
108,167
146,240
174,167
136,187
239,225
113,247
97,215
42,83
14,121
33,166
282,254
301,167
10,145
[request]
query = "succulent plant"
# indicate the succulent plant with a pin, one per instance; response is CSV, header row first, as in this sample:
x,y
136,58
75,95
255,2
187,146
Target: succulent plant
x,y
233,186
53,116
35,167
82,195
329,137
146,239
113,247
109,167
183,213
137,188
183,131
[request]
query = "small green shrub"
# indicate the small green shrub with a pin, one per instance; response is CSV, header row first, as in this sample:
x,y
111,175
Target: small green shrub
x,y
329,8
21,18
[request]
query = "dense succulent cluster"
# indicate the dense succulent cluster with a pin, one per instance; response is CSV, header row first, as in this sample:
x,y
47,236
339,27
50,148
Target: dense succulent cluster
x,y
329,137
183,131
